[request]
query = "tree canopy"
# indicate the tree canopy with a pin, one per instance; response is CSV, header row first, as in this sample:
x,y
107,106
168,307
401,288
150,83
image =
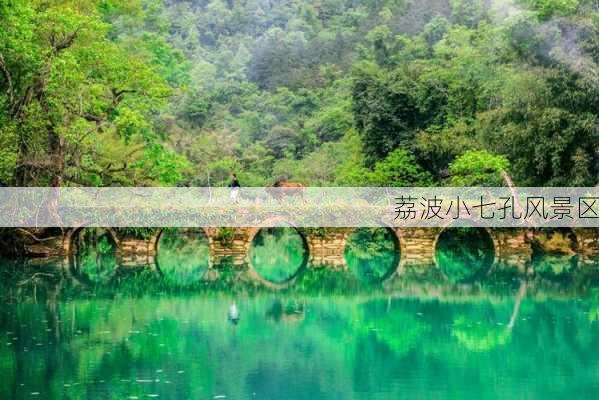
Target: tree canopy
x,y
328,92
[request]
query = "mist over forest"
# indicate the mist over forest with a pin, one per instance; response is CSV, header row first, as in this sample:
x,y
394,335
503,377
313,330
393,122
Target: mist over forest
x,y
326,92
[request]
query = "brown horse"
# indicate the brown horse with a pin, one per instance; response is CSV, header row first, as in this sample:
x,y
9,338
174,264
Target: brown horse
x,y
284,188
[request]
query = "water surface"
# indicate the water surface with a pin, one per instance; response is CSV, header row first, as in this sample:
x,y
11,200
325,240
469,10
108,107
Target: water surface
x,y
369,344
93,329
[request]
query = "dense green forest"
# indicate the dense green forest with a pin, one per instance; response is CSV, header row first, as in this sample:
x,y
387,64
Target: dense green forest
x,y
324,92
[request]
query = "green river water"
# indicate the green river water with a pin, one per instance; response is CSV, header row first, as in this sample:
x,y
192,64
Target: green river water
x,y
95,331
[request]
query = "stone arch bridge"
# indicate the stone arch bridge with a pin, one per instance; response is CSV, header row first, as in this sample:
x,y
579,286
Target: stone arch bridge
x,y
326,246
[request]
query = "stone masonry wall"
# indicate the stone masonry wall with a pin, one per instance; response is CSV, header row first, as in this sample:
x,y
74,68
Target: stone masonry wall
x,y
327,247
232,243
512,247
417,246
134,252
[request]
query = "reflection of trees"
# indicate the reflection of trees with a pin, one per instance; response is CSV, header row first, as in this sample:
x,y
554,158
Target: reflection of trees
x,y
555,265
555,241
484,336
371,253
517,304
183,256
554,253
288,311
277,253
95,254
399,331
464,253
594,309
478,337
131,339
326,281
350,345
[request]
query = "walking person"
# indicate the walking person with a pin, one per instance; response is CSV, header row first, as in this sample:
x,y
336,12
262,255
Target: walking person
x,y
234,185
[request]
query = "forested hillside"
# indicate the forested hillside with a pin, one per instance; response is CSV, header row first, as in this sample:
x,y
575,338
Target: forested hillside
x,y
325,92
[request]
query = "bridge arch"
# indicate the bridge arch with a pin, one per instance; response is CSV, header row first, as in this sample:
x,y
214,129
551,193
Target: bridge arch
x,y
155,238
184,257
71,234
70,248
399,249
493,240
253,269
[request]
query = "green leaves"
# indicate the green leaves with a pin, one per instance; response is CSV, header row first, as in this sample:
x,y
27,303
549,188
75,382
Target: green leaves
x,y
75,88
8,152
399,168
385,109
131,122
161,166
552,8
104,92
478,168
519,87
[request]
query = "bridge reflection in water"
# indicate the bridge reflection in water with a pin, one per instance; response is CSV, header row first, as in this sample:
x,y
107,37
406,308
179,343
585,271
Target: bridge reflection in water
x,y
277,257
380,313
97,325
65,340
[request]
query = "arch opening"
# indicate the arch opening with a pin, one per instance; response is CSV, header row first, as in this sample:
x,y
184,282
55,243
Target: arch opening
x,y
372,254
94,254
279,254
182,255
464,254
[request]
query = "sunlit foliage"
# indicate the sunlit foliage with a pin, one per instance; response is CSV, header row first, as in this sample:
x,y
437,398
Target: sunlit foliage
x,y
182,92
